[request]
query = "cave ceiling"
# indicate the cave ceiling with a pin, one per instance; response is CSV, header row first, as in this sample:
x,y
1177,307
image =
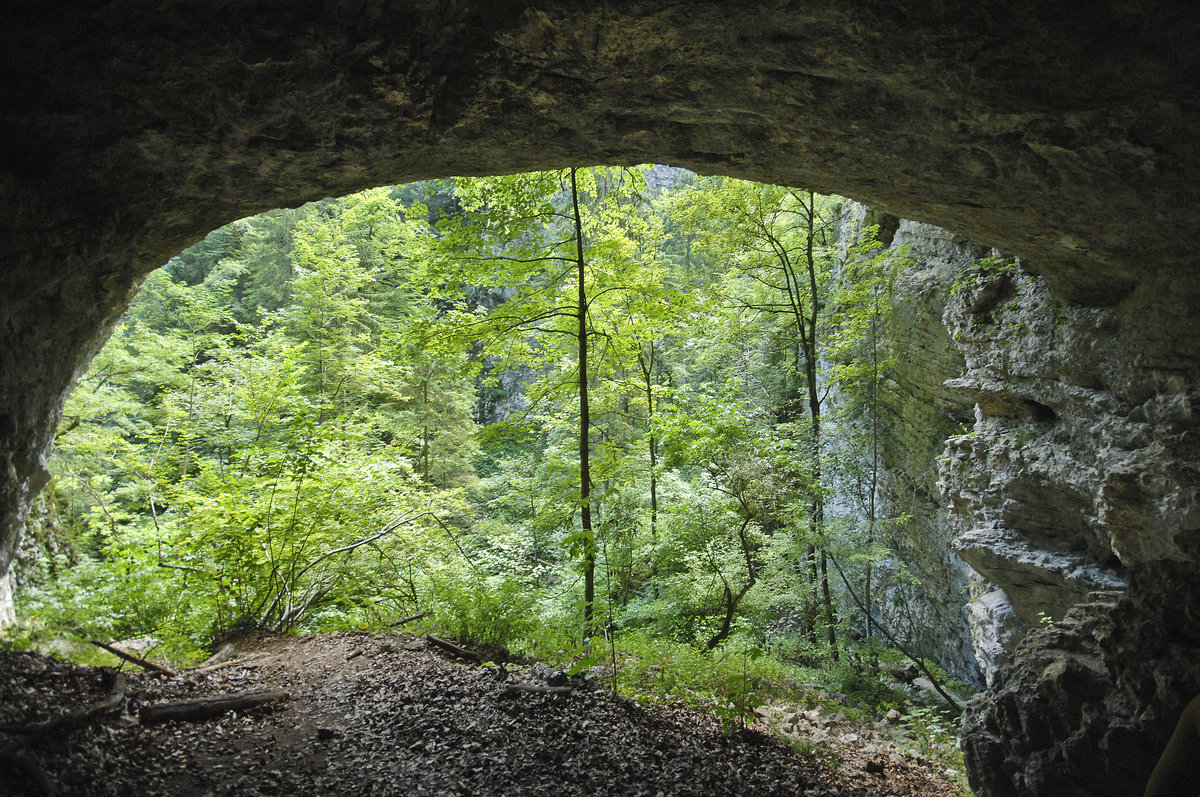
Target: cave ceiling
x,y
131,128
134,127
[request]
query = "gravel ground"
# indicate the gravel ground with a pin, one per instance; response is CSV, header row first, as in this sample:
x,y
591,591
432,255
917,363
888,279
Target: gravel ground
x,y
371,714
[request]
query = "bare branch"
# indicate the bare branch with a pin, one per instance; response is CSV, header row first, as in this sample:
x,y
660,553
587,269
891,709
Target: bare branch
x,y
139,661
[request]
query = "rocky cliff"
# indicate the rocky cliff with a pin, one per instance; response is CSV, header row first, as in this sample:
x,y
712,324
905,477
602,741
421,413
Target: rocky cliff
x,y
926,582
1086,705
1041,450
1077,480
980,571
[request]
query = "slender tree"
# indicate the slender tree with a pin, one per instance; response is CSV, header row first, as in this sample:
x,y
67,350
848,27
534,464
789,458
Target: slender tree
x,y
777,242
585,472
558,248
857,362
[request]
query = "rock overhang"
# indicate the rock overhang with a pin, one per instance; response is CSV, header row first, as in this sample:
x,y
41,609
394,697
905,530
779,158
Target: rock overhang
x,y
134,128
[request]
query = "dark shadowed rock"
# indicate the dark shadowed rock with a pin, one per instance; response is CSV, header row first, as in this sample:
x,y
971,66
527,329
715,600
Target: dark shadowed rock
x,y
1089,702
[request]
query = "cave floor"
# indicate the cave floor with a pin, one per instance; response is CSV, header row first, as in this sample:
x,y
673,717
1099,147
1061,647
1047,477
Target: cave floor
x,y
372,714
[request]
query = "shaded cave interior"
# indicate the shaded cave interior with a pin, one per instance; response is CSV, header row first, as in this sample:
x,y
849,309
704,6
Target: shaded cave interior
x,y
1065,141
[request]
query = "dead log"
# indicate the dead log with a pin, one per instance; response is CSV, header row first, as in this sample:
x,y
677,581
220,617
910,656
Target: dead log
x,y
537,689
66,723
204,708
407,620
249,662
138,660
15,753
450,647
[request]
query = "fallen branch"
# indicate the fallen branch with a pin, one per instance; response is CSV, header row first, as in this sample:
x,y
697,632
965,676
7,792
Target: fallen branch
x,y
933,679
452,648
245,661
206,707
407,620
227,651
138,660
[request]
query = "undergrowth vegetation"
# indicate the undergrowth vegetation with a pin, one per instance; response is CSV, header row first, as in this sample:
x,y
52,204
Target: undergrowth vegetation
x,y
583,415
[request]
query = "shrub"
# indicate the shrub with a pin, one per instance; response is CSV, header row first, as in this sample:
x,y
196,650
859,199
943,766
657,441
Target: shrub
x,y
484,611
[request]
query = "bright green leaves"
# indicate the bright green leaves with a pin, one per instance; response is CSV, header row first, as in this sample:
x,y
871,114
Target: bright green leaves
x,y
556,264
719,534
328,287
283,432
221,449
262,538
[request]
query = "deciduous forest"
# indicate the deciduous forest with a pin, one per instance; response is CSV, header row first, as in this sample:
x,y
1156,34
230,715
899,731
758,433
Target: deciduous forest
x,y
622,419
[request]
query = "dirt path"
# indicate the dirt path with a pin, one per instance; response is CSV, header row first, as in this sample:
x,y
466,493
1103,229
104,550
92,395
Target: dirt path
x,y
384,715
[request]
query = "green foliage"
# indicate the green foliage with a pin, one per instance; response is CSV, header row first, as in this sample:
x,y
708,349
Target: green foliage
x,y
285,432
729,683
738,713
935,731
726,682
862,685
488,612
232,465
982,270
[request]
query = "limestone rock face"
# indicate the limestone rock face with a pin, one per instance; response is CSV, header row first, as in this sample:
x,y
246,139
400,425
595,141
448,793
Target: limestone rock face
x,y
1078,478
7,614
1068,484
1079,464
1088,703
926,608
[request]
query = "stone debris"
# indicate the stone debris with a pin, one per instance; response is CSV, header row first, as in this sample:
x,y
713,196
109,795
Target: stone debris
x,y
388,720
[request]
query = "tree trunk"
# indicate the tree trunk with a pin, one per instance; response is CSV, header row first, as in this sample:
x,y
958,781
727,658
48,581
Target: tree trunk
x,y
425,435
647,366
811,366
732,601
585,476
204,708
873,481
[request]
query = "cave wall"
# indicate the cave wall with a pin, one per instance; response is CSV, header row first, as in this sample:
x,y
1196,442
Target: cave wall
x,y
1044,453
133,127
1075,502
923,579
1088,703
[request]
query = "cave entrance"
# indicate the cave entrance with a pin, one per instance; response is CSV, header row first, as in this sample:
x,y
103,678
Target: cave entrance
x,y
980,116
289,400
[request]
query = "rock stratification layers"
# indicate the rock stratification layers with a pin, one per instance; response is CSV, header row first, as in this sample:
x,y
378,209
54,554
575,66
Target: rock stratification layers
x,y
1076,487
